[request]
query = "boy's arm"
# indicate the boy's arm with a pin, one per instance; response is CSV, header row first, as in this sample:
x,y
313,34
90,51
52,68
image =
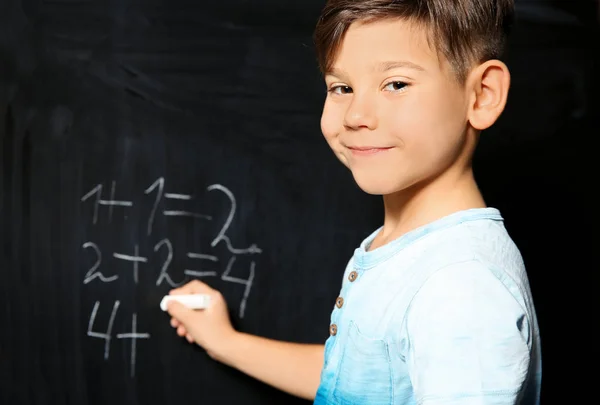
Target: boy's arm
x,y
291,367
469,340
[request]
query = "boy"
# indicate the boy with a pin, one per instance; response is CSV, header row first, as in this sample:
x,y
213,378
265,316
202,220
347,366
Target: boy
x,y
435,306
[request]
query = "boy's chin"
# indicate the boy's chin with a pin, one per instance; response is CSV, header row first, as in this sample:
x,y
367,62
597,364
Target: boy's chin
x,y
375,184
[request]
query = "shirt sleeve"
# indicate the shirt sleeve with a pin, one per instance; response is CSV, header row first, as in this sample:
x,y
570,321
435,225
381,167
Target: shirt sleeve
x,y
469,339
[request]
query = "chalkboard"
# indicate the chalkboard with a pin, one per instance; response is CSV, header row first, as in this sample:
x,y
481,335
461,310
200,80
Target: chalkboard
x,y
145,148
558,12
144,144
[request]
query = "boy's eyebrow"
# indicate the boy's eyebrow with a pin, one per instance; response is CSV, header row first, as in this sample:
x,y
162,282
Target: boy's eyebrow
x,y
381,67
389,65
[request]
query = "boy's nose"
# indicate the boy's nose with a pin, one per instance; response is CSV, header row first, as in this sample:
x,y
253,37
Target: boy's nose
x,y
360,114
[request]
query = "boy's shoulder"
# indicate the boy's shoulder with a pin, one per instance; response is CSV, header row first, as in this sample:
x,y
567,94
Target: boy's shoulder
x,y
469,235
467,247
484,240
470,248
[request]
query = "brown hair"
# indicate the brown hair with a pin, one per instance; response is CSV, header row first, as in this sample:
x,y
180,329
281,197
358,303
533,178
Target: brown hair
x,y
464,31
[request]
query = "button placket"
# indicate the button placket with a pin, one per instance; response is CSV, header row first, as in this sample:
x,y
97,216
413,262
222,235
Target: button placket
x,y
339,302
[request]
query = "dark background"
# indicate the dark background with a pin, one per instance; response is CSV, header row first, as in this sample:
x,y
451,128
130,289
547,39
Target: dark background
x,y
160,98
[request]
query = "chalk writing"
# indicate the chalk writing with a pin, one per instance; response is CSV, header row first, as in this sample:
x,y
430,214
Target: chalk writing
x,y
156,260
136,259
134,336
99,201
91,274
199,273
108,335
222,236
246,282
159,186
165,266
176,196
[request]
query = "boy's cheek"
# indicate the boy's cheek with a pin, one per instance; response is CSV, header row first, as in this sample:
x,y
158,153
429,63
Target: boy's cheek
x,y
342,157
332,119
329,127
337,148
335,145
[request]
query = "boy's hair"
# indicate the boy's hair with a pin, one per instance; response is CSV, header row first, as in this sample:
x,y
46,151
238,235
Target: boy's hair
x,y
464,31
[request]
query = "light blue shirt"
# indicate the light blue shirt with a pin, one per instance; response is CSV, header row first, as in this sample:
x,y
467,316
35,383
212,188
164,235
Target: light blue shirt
x,y
440,316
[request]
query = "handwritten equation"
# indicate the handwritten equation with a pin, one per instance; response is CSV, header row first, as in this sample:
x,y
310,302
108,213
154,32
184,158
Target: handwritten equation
x,y
162,253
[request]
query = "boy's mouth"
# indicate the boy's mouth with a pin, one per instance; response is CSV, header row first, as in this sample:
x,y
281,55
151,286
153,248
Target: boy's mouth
x,y
368,150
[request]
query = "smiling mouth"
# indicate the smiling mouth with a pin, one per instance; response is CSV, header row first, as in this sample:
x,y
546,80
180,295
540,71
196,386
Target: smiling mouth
x,y
367,150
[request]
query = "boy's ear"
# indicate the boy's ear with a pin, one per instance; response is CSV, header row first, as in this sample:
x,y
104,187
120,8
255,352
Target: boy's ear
x,y
488,84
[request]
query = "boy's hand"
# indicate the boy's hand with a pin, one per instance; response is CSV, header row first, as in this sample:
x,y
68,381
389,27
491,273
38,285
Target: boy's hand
x,y
208,327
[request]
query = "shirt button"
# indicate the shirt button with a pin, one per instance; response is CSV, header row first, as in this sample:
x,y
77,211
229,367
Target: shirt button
x,y
339,302
333,329
352,276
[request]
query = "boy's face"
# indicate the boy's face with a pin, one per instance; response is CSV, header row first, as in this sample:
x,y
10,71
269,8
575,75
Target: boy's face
x,y
394,114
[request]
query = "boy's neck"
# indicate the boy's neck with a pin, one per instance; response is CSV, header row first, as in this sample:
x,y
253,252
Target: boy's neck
x,y
424,203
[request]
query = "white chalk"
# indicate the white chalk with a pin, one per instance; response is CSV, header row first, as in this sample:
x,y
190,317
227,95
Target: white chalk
x,y
193,301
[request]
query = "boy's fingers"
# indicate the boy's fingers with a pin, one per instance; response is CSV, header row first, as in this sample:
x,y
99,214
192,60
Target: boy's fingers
x,y
180,312
178,291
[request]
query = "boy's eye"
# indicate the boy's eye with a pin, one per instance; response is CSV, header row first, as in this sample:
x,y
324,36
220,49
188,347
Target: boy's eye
x,y
395,86
341,90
